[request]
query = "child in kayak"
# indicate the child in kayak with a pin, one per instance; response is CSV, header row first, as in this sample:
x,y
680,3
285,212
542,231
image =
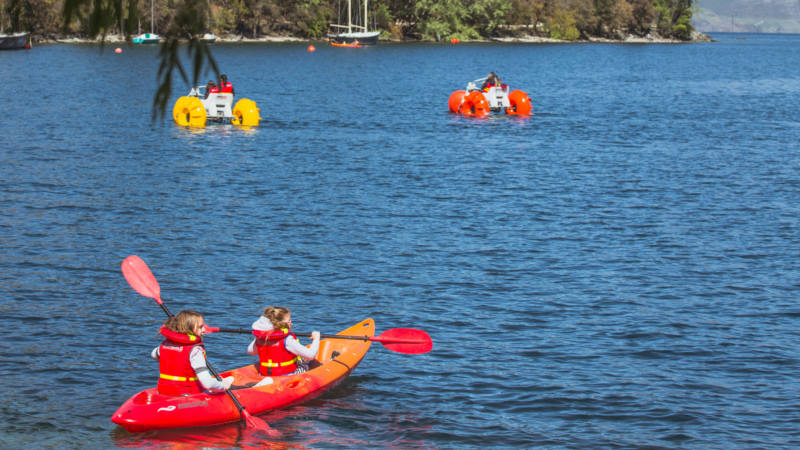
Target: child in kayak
x,y
279,352
182,358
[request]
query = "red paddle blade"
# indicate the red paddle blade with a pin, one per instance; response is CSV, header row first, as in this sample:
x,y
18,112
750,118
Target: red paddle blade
x,y
405,340
140,278
255,423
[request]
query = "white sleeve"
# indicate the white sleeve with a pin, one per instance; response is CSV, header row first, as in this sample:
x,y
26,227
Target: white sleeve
x,y
294,346
262,324
198,361
155,354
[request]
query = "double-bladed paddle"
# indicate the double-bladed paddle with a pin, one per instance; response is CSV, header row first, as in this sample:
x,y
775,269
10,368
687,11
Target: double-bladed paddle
x,y
400,340
142,281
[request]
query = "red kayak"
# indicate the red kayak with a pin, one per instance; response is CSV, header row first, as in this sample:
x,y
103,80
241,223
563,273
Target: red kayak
x,y
149,410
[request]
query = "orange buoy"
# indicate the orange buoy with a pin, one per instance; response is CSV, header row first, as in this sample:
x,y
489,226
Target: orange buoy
x,y
454,41
454,102
520,103
311,48
118,50
474,105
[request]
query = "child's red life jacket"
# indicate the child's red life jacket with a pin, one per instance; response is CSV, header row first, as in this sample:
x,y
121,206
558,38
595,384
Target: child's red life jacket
x,y
177,377
273,357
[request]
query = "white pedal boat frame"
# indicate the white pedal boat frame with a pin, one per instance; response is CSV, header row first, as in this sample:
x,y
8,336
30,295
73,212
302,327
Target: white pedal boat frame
x,y
497,96
219,106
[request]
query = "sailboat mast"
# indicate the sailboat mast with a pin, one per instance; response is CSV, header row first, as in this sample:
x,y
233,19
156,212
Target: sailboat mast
x,y
152,15
365,15
349,16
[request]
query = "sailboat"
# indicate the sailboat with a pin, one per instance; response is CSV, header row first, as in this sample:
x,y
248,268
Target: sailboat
x,y
352,33
151,37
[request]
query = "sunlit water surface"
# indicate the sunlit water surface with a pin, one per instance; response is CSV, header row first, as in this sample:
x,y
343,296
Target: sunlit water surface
x,y
619,270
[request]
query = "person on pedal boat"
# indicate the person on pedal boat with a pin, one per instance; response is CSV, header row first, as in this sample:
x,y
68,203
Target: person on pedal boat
x,y
279,352
225,85
491,80
211,88
182,358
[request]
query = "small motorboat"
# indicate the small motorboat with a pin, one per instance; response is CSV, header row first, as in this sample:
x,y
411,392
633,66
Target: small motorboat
x,y
336,359
198,108
208,38
15,41
146,38
478,101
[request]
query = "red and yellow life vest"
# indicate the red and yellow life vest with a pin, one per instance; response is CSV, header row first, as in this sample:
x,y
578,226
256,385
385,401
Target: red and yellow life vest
x,y
177,377
273,357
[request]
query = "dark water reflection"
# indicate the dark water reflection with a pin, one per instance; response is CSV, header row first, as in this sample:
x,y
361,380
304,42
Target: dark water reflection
x,y
619,269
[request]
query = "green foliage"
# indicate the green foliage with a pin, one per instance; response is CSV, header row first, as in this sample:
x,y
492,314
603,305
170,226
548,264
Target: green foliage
x,y
674,18
383,16
643,14
488,15
562,25
224,20
440,19
311,18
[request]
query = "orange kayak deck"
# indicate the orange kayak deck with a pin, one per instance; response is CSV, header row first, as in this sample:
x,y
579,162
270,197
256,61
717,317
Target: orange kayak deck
x,y
149,410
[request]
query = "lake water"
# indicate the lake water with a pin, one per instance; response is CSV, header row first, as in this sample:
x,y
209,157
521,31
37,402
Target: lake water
x,y
619,270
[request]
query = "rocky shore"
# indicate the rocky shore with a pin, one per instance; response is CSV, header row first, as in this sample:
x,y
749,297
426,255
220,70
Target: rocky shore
x,y
524,39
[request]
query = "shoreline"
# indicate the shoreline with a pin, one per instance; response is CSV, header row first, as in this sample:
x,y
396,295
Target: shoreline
x,y
524,39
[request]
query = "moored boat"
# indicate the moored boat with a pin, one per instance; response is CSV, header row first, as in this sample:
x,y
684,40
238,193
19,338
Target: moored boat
x,y
336,359
151,37
352,33
146,38
14,41
208,38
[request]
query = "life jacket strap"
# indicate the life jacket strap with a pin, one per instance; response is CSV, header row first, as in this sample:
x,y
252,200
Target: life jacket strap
x,y
176,378
269,363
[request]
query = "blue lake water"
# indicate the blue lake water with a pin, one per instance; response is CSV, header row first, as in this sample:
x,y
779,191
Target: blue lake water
x,y
619,270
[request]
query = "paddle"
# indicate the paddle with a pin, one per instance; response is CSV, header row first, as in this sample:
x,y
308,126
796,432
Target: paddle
x,y
142,281
400,340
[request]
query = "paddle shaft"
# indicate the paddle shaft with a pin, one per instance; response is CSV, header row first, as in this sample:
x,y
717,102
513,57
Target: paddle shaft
x,y
322,336
326,336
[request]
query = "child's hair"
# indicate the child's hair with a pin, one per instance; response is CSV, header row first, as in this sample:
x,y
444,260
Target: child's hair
x,y
184,322
276,314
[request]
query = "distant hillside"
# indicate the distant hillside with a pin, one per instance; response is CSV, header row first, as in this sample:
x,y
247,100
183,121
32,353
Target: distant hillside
x,y
748,16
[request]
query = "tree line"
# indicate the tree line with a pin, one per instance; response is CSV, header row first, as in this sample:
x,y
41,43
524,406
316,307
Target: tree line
x,y
396,19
